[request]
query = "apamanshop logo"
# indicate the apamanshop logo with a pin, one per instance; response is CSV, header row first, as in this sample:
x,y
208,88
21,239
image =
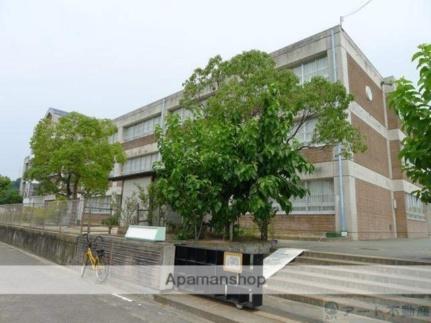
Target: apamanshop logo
x,y
213,282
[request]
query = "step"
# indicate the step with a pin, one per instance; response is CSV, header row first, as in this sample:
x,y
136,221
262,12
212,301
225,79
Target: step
x,y
220,312
363,308
306,312
301,286
413,271
389,274
391,287
364,259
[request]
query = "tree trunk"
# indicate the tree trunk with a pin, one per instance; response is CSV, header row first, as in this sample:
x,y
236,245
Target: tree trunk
x,y
264,231
225,232
231,231
68,191
75,189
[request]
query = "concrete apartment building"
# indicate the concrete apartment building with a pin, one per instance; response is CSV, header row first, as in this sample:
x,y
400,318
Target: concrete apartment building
x,y
373,194
28,189
375,199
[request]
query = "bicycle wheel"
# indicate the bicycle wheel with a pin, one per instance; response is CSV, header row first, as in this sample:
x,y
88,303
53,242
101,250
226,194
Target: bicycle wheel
x,y
84,266
102,270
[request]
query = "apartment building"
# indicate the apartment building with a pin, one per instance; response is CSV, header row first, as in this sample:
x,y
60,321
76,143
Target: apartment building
x,y
28,188
367,196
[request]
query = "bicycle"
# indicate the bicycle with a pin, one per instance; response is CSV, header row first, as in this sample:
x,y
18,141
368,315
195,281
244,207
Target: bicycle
x,y
96,260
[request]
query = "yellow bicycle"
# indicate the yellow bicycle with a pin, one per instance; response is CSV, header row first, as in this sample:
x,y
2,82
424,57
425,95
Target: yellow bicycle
x,y
95,259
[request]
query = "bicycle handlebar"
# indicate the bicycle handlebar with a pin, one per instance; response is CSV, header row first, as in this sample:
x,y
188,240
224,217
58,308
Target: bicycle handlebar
x,y
94,241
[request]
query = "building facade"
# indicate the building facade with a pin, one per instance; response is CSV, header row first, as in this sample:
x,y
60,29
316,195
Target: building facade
x,y
28,188
367,195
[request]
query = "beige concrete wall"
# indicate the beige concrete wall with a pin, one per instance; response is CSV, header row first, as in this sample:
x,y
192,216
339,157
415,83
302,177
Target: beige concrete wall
x,y
130,186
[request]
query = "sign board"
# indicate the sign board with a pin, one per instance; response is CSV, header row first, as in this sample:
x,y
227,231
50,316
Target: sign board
x,y
232,262
143,232
278,259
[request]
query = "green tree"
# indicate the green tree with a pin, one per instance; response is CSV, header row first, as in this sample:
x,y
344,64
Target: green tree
x,y
412,104
8,192
240,153
73,156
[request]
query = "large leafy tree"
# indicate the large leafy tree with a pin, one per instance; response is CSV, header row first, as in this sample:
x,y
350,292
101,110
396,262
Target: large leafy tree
x,y
8,191
73,156
413,106
240,153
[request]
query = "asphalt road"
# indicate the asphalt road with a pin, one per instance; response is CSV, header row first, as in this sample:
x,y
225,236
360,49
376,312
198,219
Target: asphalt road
x,y
77,308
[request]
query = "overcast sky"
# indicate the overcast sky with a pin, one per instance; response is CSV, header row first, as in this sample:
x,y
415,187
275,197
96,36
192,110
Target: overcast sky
x,y
104,58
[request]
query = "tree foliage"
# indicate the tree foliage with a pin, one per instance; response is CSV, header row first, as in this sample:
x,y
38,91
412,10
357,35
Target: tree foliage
x,y
8,192
240,151
73,156
413,106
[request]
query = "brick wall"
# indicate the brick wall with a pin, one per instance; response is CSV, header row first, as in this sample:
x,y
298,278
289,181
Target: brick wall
x,y
358,80
139,142
397,173
376,156
318,155
400,214
393,120
285,226
417,229
374,211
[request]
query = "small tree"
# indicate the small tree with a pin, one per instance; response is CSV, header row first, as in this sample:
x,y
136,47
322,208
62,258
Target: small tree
x,y
73,156
413,106
129,211
153,201
114,219
240,153
8,192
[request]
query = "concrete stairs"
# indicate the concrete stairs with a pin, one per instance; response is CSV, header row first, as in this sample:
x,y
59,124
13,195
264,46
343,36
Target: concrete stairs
x,y
274,310
351,287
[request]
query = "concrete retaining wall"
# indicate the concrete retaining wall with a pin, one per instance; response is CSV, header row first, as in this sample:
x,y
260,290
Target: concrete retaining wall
x,y
65,249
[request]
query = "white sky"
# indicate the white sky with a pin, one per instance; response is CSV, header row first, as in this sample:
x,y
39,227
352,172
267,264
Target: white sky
x,y
104,58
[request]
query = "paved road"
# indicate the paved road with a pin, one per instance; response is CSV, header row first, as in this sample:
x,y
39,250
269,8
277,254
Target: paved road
x,y
78,308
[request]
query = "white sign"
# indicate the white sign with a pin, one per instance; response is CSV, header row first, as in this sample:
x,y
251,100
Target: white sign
x,y
277,260
143,232
232,262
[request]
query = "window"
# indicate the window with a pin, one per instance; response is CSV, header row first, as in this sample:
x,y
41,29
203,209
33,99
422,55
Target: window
x,y
140,164
414,208
305,133
321,199
184,114
141,129
317,67
114,138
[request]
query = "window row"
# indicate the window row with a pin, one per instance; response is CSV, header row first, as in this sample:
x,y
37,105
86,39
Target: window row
x,y
306,131
140,164
141,129
414,208
317,67
321,198
183,113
